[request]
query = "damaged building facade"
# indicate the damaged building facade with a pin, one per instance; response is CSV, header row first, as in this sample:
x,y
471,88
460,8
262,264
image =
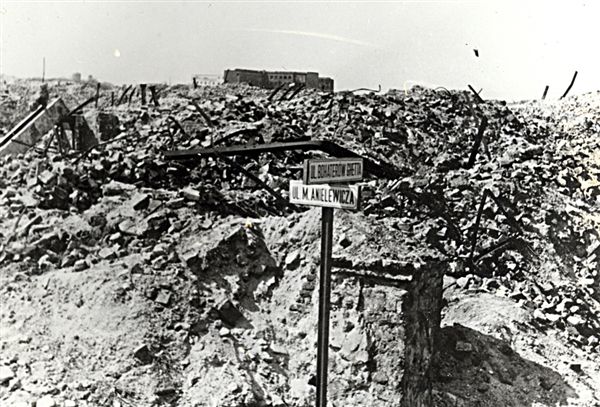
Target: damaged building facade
x,y
274,79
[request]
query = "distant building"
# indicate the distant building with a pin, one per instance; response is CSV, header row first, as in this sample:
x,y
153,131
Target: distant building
x,y
206,80
274,79
254,78
76,77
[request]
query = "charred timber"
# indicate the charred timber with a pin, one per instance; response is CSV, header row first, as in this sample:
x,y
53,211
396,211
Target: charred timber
x,y
378,169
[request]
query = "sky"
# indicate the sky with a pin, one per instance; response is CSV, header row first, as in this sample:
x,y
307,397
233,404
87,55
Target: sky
x,y
523,45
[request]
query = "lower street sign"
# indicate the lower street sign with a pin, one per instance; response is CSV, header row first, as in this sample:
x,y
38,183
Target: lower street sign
x,y
339,196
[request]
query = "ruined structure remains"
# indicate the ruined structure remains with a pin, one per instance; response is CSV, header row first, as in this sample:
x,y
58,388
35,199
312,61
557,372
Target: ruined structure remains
x,y
206,80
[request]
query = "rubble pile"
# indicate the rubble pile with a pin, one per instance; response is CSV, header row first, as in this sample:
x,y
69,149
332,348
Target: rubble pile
x,y
220,274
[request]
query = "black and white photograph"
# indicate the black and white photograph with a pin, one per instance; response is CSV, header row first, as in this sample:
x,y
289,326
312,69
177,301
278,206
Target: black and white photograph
x,y
299,203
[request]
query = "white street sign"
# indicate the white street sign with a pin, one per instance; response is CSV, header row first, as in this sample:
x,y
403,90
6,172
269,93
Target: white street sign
x,y
331,196
333,170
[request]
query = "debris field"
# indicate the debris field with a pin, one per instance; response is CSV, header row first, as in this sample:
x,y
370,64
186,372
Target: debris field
x,y
130,276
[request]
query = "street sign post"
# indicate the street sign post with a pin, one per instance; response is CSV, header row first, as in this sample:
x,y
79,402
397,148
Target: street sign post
x,y
325,185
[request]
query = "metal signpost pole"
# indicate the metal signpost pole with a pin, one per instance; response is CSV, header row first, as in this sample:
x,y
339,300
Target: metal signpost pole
x,y
325,183
324,303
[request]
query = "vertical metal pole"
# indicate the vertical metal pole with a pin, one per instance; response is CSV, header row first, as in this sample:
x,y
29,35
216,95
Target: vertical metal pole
x,y
324,304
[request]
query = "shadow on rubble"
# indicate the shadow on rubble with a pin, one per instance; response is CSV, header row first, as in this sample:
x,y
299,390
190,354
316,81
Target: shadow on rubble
x,y
471,369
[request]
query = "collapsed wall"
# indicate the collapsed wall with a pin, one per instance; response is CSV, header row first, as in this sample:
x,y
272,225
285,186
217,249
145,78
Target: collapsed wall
x,y
261,340
399,305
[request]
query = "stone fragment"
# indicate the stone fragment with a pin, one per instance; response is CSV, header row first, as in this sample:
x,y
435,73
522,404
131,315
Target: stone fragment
x,y
141,201
539,315
47,177
588,282
128,227
107,252
576,367
163,297
380,377
593,247
46,401
292,260
207,223
191,257
159,262
191,194
68,260
266,356
14,384
575,320
157,224
47,241
80,265
352,341
463,282
6,374
175,203
117,188
278,349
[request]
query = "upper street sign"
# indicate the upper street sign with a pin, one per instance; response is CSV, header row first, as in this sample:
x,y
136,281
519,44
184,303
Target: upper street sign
x,y
333,170
329,196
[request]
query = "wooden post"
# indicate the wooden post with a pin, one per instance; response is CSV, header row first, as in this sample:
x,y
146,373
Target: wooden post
x,y
97,93
143,93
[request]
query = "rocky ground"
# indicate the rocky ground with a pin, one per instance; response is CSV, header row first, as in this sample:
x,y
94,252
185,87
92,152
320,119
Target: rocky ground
x,y
127,279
